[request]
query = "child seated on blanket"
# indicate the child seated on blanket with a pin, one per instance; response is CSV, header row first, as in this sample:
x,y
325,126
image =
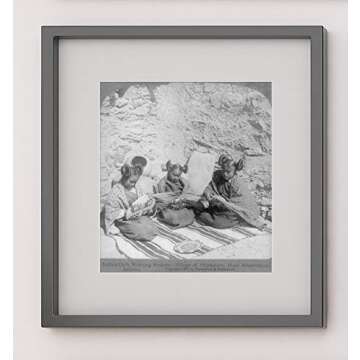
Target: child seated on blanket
x,y
227,186
174,214
127,209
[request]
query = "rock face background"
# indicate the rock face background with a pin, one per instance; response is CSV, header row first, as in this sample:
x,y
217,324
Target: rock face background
x,y
169,121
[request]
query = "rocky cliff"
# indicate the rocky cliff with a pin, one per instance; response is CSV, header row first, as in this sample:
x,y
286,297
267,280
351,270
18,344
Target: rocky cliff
x,y
170,121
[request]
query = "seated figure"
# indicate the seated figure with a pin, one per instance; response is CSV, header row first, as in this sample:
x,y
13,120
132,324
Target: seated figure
x,y
127,209
174,214
227,185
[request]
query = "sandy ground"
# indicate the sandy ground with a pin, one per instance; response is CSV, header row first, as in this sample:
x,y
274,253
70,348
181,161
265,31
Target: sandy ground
x,y
255,247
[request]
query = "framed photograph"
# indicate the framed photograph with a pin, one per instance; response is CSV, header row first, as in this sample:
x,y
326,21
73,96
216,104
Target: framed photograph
x,y
175,152
183,176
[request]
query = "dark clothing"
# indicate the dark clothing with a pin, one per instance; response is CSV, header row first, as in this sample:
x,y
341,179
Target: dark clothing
x,y
175,216
219,220
235,191
141,228
165,185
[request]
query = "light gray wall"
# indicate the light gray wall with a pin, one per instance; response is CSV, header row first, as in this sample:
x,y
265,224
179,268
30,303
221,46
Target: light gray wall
x,y
33,342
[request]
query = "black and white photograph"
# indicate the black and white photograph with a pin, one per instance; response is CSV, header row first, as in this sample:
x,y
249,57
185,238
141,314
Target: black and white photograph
x,y
185,176
179,180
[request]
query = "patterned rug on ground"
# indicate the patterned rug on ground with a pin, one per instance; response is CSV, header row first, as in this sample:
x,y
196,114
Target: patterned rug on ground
x,y
254,244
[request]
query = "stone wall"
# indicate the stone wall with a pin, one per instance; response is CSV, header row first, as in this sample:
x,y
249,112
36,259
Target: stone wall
x,y
170,121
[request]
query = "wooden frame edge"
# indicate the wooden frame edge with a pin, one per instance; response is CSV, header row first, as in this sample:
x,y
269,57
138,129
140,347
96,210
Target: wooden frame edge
x,y
49,174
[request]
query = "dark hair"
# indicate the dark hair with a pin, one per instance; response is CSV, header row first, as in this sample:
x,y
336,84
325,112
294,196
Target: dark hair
x,y
127,171
139,161
171,167
226,161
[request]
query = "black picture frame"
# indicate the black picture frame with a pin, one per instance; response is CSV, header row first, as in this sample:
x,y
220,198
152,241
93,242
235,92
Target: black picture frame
x,y
50,316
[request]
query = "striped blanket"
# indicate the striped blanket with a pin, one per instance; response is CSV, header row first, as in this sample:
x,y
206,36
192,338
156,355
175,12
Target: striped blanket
x,y
162,247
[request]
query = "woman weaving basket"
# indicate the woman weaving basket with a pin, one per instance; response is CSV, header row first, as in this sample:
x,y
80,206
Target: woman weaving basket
x,y
227,201
127,209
